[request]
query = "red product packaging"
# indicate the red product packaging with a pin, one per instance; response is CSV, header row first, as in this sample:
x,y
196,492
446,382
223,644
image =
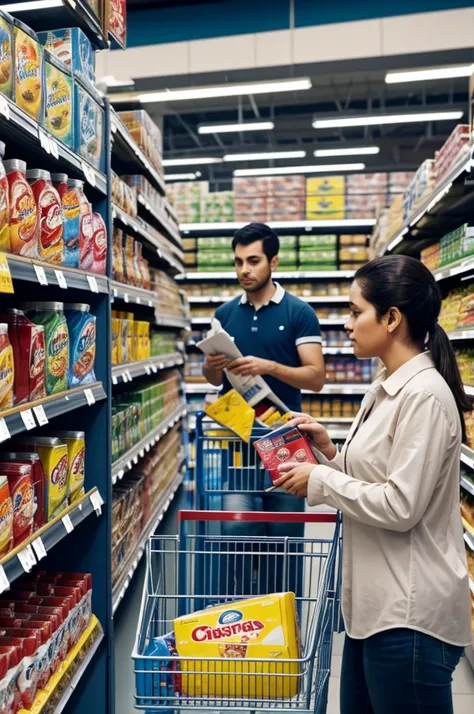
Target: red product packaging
x,y
99,244
86,232
11,621
10,657
30,642
54,615
20,482
45,651
50,216
27,340
31,458
64,645
281,445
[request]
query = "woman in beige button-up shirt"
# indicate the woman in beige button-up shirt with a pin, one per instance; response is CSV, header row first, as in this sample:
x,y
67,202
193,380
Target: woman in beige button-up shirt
x,y
405,592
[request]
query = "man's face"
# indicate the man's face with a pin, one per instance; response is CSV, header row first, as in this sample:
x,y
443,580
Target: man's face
x,y
252,266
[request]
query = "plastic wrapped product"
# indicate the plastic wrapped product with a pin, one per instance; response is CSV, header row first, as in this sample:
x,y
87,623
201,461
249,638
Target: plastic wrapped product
x,y
50,216
23,212
54,459
56,335
20,483
4,198
7,369
6,54
82,334
99,244
27,340
6,517
89,121
33,460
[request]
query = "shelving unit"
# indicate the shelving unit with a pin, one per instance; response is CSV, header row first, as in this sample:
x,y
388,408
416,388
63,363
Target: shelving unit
x,y
80,538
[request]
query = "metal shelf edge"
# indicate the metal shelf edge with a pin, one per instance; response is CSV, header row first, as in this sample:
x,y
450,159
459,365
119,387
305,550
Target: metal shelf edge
x,y
24,269
130,371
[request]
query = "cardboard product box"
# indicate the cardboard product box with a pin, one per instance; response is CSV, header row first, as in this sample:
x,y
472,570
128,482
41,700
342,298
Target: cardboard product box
x,y
286,186
28,68
318,256
313,242
89,125
325,186
73,48
250,187
212,243
250,210
6,57
59,100
288,242
366,183
359,239
323,207
285,209
146,135
115,20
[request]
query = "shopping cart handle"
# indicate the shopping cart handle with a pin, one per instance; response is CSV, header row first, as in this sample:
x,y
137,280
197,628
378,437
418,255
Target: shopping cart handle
x,y
278,517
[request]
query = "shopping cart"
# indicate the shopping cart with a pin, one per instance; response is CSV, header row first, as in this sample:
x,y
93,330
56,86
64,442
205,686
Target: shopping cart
x,y
225,464
181,575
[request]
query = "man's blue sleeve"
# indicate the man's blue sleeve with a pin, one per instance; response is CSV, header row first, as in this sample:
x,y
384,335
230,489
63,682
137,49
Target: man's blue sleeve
x,y
307,326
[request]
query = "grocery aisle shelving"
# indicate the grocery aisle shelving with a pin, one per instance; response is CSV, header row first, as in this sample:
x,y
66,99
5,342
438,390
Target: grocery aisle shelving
x,y
129,371
43,274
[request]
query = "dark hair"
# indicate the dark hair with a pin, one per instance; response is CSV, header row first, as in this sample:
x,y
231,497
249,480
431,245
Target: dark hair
x,y
404,282
258,231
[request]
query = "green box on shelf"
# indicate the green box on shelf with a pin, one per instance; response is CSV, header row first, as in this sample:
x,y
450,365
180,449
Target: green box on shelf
x,y
288,258
288,242
311,242
317,266
316,256
211,243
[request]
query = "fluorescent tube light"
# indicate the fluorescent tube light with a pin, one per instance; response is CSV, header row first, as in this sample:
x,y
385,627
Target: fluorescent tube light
x,y
182,177
228,128
33,5
321,169
199,160
266,155
358,151
230,90
371,120
421,75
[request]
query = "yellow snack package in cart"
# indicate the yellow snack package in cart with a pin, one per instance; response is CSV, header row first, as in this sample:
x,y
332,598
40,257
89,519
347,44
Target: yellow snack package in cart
x,y
263,628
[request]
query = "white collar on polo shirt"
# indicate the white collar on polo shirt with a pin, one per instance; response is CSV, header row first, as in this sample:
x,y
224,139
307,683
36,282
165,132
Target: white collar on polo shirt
x,y
277,297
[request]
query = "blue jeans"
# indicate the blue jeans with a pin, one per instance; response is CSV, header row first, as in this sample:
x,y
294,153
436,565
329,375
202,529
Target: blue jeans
x,y
398,671
261,569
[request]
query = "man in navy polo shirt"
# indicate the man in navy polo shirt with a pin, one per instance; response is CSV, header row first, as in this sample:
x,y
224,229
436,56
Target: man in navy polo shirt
x,y
280,338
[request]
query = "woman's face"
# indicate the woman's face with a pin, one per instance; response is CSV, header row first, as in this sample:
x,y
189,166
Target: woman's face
x,y
368,335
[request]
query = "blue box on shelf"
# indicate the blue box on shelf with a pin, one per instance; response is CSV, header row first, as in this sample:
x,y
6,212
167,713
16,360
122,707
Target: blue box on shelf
x,y
59,114
89,124
71,46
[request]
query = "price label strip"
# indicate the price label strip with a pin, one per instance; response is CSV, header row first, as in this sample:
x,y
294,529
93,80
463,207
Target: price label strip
x,y
97,502
4,431
68,525
38,547
27,559
40,274
61,279
28,419
40,414
4,582
88,173
89,395
6,283
93,283
4,107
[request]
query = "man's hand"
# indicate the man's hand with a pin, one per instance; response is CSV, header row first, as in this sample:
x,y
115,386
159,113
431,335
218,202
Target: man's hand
x,y
216,361
250,366
294,478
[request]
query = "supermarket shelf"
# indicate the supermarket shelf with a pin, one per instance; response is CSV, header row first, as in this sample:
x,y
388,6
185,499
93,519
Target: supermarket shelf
x,y
427,225
333,321
467,485
283,275
18,126
50,535
161,218
461,335
132,370
130,152
460,267
338,350
335,420
339,434
141,229
303,225
127,460
134,558
129,293
71,13
348,389
201,320
314,300
25,269
172,321
467,456
53,406
78,674
469,390
200,388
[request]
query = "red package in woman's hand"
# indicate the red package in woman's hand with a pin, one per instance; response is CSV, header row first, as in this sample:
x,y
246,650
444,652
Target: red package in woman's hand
x,y
284,444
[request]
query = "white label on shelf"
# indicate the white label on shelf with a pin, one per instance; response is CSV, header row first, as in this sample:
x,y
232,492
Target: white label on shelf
x,y
88,173
150,303
54,148
97,502
44,141
124,219
28,419
125,377
129,465
147,447
129,375
114,379
125,297
40,414
93,283
67,523
40,274
154,368
135,460
142,453
138,301
38,547
4,107
4,432
4,582
161,365
148,369
27,559
61,279
89,395
120,474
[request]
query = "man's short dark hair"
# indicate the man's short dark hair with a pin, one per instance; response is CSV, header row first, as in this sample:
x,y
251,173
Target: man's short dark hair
x,y
258,231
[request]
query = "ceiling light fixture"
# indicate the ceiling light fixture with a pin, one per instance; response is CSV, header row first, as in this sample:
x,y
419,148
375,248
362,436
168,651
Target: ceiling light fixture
x,y
226,90
374,120
321,169
182,177
422,75
229,128
32,5
358,151
263,156
199,160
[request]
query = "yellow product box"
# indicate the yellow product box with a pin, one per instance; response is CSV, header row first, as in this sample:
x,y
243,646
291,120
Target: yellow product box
x,y
331,206
115,340
325,186
54,459
250,640
232,410
76,451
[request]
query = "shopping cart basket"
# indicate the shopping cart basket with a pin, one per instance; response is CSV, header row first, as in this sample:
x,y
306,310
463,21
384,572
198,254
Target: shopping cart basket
x,y
225,464
181,572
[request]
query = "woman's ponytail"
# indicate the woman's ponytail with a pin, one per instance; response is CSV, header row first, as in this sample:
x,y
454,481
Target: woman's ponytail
x,y
404,282
445,362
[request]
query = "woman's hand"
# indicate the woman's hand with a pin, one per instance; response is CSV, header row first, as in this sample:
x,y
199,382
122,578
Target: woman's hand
x,y
294,478
317,434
